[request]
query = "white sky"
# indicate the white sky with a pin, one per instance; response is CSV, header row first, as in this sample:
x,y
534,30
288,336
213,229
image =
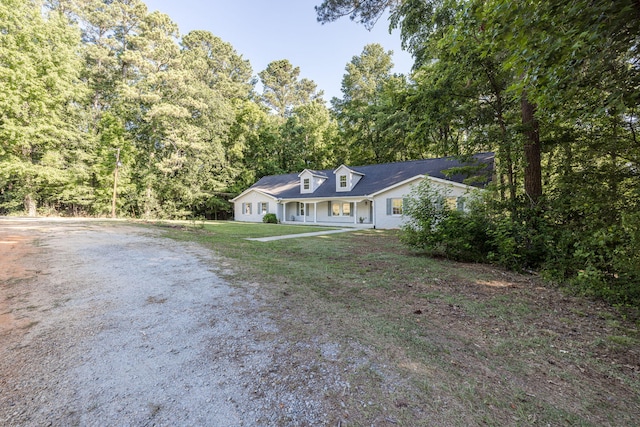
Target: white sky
x,y
267,30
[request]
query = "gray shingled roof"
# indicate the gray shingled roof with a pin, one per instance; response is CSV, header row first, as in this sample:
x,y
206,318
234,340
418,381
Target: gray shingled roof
x,y
376,177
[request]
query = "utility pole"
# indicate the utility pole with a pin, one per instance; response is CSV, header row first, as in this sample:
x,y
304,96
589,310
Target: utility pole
x,y
115,184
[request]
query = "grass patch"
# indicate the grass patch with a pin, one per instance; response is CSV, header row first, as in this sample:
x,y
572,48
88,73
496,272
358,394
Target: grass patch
x,y
433,342
239,230
623,340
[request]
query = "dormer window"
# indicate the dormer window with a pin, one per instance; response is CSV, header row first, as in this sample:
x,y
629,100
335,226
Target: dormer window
x,y
346,179
310,181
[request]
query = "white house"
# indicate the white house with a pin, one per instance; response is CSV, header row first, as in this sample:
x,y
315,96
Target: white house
x,y
360,195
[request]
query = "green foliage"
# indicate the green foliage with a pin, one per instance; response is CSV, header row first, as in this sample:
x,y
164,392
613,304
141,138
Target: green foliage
x,y
282,89
372,115
433,226
424,210
40,86
366,12
597,260
519,234
552,89
308,136
597,243
81,79
270,218
603,265
293,130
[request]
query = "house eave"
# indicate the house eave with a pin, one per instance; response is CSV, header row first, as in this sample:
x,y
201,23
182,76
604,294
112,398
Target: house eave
x,y
249,190
351,198
399,184
347,168
452,183
418,177
312,173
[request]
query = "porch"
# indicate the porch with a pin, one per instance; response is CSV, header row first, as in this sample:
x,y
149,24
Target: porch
x,y
328,213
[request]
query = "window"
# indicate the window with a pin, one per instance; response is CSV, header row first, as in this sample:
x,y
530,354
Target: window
x,y
335,209
305,184
452,203
341,209
461,205
300,209
394,207
247,209
263,208
346,209
343,181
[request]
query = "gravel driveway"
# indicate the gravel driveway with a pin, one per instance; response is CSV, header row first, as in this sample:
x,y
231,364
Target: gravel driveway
x,y
109,324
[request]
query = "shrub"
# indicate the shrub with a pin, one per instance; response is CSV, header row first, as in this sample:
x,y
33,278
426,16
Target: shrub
x,y
595,253
431,225
520,234
488,231
464,236
270,218
423,210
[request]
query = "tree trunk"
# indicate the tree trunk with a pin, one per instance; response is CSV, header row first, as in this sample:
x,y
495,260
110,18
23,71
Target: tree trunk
x,y
505,152
532,150
147,203
30,205
115,185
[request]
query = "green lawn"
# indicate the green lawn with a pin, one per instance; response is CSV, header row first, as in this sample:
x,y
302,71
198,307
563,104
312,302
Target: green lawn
x,y
433,342
242,230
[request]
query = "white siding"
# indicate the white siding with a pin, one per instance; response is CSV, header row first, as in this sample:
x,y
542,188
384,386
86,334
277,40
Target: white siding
x,y
255,199
323,212
363,210
352,178
383,220
314,182
308,176
320,212
380,207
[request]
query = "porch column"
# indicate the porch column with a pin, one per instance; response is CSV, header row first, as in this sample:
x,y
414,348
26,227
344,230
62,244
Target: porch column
x,y
373,213
355,212
315,212
304,211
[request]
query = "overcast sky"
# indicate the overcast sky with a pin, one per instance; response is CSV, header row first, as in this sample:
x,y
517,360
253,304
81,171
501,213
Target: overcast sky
x,y
263,31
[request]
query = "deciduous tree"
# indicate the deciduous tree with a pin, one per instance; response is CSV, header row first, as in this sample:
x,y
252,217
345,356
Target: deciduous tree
x,y
283,90
40,85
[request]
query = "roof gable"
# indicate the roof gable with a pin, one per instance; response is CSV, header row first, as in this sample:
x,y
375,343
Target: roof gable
x,y
345,169
346,179
317,174
310,180
377,178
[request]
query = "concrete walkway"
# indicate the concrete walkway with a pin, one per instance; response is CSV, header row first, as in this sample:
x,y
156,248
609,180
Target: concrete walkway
x,y
293,236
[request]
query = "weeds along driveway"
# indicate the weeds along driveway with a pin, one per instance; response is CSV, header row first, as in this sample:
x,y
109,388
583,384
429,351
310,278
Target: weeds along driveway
x,y
106,324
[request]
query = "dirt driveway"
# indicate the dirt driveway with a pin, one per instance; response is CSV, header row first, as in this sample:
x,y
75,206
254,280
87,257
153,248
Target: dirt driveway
x,y
107,324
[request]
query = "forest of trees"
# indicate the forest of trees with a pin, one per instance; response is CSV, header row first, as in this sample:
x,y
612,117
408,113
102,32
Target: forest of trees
x,y
95,88
94,91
